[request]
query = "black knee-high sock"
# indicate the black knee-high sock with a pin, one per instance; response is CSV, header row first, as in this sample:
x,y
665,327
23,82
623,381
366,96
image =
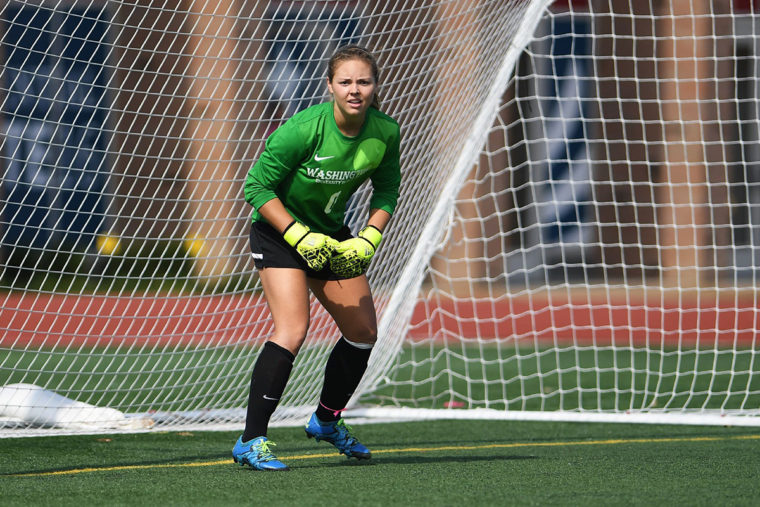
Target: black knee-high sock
x,y
268,380
345,368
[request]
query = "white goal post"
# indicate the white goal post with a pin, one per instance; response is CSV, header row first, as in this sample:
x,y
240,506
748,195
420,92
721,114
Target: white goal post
x,y
577,236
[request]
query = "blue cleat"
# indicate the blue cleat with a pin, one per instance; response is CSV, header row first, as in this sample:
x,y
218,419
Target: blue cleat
x,y
256,454
339,435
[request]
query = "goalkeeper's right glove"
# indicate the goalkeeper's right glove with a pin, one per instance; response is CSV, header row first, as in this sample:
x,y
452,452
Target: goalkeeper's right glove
x,y
315,248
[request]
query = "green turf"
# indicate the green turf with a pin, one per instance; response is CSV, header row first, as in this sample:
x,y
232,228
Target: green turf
x,y
133,380
422,463
606,378
498,377
433,463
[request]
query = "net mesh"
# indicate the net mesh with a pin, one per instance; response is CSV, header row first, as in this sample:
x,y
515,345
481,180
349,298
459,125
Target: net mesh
x,y
601,263
128,130
576,235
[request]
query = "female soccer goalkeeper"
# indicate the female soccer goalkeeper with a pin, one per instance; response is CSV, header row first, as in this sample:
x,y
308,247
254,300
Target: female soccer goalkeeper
x,y
299,188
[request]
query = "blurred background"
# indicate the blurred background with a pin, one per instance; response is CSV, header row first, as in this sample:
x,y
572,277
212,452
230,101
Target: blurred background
x,y
629,131
578,227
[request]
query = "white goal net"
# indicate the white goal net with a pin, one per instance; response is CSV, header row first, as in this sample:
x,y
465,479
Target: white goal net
x,y
577,235
602,260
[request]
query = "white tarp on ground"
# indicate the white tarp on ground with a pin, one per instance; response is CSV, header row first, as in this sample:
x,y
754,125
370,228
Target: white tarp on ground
x,y
36,406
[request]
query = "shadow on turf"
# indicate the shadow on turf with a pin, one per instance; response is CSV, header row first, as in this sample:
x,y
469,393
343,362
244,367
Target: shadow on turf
x,y
300,464
668,432
405,460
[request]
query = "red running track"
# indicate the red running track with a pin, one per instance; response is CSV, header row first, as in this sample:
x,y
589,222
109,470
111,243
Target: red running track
x,y
593,322
61,321
39,320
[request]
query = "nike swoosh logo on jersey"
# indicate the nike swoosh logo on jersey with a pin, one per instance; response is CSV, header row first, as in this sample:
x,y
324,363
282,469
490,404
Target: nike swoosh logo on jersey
x,y
319,159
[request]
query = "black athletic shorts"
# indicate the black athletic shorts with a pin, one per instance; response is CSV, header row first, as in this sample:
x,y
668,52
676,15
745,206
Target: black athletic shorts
x,y
270,250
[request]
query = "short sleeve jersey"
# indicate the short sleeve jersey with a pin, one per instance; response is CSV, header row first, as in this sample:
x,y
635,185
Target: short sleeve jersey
x,y
313,168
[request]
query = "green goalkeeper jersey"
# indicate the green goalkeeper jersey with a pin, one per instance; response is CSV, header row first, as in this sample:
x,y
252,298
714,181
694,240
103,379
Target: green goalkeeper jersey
x,y
313,168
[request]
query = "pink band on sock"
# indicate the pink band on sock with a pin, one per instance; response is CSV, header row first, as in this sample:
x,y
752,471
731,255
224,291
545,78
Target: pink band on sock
x,y
334,412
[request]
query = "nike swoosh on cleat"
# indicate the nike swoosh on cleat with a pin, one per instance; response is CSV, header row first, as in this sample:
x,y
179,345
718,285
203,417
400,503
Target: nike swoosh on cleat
x,y
319,159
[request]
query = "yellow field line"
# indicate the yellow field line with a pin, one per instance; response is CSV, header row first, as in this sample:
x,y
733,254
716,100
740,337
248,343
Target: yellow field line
x,y
402,450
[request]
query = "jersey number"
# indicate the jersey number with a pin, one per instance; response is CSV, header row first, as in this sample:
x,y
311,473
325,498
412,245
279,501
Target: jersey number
x,y
331,201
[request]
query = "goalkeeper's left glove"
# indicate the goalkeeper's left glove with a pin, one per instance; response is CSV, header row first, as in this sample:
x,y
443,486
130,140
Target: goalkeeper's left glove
x,y
352,256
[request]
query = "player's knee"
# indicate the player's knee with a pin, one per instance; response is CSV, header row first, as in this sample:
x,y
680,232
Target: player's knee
x,y
291,336
362,333
298,334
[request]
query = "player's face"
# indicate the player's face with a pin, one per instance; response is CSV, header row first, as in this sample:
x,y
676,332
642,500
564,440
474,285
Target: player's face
x,y
353,90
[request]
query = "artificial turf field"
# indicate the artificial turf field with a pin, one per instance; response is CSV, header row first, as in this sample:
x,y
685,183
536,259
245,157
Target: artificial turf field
x,y
414,463
417,463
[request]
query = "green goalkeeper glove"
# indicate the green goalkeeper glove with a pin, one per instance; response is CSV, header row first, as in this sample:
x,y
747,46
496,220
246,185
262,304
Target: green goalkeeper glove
x,y
315,248
352,257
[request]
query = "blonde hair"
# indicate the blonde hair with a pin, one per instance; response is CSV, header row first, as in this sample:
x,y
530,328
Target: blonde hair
x,y
355,52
